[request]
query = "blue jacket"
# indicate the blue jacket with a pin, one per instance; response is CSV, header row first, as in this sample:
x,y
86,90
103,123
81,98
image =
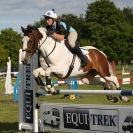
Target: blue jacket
x,y
61,28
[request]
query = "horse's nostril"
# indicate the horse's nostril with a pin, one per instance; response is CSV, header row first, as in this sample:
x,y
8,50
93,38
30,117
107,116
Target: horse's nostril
x,y
24,62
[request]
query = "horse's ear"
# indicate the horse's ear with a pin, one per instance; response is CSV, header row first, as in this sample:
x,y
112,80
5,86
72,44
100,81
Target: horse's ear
x,y
23,29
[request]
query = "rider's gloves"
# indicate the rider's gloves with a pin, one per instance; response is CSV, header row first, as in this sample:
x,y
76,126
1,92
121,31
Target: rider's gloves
x,y
50,33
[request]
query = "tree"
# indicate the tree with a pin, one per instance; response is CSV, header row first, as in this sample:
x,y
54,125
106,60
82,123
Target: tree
x,y
40,23
107,29
128,13
3,57
11,42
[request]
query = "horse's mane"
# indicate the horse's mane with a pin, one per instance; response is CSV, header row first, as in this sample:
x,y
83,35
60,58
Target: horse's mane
x,y
42,30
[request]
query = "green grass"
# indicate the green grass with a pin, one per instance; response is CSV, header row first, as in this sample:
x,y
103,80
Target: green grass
x,y
9,109
8,112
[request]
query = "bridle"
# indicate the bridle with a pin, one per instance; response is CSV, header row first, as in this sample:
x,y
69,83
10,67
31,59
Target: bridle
x,y
26,50
30,51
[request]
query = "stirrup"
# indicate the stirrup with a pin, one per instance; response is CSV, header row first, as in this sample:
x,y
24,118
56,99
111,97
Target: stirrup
x,y
83,64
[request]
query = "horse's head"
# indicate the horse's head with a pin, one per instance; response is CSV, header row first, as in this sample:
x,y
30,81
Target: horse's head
x,y
31,39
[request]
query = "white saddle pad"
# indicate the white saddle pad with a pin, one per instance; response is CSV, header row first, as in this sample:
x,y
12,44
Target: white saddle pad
x,y
85,49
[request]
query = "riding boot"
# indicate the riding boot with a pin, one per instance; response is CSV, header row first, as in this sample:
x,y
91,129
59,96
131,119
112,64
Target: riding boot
x,y
79,53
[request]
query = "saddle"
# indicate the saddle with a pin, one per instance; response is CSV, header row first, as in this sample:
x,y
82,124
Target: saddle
x,y
85,52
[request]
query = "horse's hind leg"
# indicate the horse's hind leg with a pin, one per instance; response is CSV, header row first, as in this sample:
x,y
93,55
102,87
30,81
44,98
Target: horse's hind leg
x,y
102,67
113,84
109,86
92,80
110,97
123,98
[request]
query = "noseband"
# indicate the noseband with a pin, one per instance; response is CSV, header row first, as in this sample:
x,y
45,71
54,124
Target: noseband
x,y
28,51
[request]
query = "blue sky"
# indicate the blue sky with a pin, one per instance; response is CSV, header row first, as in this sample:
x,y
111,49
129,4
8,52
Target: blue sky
x,y
17,13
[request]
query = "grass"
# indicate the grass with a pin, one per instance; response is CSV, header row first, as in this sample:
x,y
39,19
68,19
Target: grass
x,y
9,109
8,112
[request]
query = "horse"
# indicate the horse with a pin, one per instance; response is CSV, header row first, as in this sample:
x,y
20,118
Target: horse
x,y
57,59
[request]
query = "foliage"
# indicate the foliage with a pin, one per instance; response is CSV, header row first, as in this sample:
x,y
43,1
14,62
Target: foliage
x,y
10,41
108,30
3,57
40,23
128,14
73,21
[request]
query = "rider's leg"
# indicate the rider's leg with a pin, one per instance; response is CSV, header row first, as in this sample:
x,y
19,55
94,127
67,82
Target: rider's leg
x,y
79,53
72,39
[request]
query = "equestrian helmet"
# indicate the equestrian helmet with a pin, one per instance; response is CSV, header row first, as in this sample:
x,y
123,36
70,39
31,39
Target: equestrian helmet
x,y
51,14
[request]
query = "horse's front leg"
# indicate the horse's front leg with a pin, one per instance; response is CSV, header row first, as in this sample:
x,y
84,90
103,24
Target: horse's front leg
x,y
53,69
37,73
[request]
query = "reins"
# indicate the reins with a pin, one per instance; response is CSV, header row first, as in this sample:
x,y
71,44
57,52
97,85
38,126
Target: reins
x,y
28,51
50,52
42,42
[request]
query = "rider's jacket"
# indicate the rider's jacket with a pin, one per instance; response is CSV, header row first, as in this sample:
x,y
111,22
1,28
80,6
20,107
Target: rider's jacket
x,y
61,28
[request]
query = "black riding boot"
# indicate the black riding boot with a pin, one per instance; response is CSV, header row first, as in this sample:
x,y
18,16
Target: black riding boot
x,y
79,53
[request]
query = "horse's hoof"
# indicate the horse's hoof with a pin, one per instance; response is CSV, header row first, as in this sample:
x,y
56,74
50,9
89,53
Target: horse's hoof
x,y
112,99
125,99
46,89
53,91
119,88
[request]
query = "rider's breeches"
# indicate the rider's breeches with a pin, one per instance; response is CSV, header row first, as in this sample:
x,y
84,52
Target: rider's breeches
x,y
72,37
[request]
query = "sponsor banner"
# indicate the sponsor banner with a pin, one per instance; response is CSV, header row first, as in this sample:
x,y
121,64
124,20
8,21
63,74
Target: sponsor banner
x,y
76,118
104,120
86,118
28,95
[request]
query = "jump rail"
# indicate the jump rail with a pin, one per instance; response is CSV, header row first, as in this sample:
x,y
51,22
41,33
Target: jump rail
x,y
101,92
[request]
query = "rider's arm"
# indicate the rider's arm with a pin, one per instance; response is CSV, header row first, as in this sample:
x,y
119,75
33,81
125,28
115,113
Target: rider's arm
x,y
62,31
58,36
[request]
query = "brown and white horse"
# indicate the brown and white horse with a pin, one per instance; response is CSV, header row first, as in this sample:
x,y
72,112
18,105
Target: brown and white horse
x,y
56,58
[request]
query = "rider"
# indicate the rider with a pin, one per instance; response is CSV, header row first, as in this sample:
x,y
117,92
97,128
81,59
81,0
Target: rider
x,y
60,31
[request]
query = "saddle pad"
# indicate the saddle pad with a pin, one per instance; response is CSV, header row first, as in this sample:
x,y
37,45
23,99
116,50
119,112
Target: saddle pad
x,y
85,50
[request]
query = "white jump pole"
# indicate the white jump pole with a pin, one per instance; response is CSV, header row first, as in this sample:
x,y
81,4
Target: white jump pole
x,y
98,92
28,113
